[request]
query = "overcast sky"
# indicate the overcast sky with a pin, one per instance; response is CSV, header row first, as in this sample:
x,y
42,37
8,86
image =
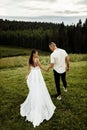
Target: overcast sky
x,y
43,7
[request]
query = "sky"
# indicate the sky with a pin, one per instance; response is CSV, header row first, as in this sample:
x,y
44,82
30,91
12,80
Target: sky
x,y
43,7
35,8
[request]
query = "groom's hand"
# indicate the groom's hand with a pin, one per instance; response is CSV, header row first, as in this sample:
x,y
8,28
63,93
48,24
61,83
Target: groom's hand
x,y
67,69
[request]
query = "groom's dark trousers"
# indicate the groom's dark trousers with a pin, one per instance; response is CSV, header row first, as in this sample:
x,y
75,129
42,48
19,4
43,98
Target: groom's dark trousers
x,y
57,81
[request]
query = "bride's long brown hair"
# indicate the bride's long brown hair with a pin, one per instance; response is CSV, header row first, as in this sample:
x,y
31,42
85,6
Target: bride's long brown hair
x,y
31,62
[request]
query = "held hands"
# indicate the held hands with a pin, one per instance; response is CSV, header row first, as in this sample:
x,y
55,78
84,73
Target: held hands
x,y
50,66
46,69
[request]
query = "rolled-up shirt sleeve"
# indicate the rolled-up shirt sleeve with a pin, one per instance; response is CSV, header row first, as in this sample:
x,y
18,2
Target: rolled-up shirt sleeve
x,y
52,59
66,54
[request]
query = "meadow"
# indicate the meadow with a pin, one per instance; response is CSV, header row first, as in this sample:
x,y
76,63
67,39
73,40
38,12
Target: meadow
x,y
71,111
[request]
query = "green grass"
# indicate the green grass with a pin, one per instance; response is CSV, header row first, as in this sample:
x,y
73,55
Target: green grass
x,y
71,111
11,51
6,51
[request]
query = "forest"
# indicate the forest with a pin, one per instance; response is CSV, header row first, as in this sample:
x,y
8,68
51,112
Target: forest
x,y
72,38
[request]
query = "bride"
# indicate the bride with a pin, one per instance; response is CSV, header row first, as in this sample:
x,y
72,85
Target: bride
x,y
38,104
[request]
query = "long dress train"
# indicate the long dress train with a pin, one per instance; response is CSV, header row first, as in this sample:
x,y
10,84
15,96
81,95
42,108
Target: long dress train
x,y
38,104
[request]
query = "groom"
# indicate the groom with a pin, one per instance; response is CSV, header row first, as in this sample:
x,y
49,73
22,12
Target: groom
x,y
59,63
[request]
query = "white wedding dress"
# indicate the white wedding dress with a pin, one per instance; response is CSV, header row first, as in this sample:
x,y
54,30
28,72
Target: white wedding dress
x,y
38,104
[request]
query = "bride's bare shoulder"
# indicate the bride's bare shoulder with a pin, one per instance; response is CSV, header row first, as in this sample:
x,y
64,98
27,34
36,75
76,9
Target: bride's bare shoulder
x,y
37,59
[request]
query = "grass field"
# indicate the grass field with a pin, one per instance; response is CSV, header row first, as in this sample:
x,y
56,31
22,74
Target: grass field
x,y
71,111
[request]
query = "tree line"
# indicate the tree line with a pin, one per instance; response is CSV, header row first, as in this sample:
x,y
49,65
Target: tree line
x,y
37,35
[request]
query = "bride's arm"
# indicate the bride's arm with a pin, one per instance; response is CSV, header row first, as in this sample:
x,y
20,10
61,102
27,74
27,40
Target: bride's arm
x,y
39,64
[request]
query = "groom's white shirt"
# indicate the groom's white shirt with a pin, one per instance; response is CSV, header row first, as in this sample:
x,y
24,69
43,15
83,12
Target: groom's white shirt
x,y
58,58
